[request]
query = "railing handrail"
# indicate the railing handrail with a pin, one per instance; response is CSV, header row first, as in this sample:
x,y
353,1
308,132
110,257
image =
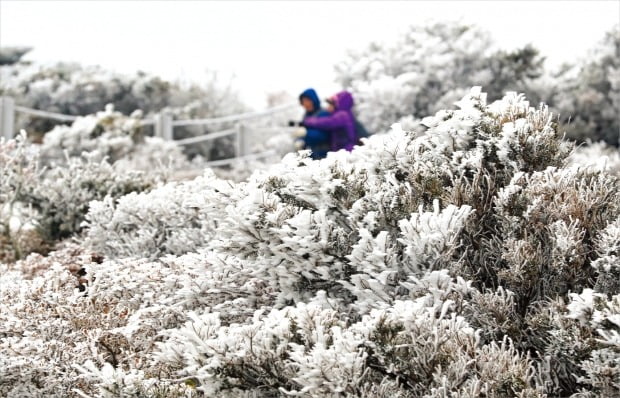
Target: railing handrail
x,y
232,118
46,114
64,117
175,123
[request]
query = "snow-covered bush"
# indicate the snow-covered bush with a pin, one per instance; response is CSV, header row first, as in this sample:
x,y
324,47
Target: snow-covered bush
x,y
63,196
432,66
576,341
465,260
549,222
603,315
47,188
176,218
607,264
39,205
597,155
18,176
588,95
429,68
110,314
408,349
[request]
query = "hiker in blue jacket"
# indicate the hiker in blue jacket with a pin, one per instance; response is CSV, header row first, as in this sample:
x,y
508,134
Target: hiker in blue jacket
x,y
317,141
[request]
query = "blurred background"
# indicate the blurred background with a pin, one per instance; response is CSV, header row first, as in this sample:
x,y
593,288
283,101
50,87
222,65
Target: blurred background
x,y
402,60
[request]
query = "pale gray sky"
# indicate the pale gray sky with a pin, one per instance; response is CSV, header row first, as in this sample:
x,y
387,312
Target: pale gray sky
x,y
277,45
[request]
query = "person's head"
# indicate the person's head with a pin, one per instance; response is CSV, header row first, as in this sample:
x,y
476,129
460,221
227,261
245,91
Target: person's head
x,y
342,101
307,104
309,99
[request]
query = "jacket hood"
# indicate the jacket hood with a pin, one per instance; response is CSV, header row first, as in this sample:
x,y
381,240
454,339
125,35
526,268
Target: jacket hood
x,y
343,101
312,96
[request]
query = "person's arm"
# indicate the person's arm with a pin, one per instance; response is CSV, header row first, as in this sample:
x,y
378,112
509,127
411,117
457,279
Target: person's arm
x,y
332,122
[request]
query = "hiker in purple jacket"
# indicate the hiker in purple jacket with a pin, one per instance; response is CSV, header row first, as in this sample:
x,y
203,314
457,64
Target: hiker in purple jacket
x,y
340,124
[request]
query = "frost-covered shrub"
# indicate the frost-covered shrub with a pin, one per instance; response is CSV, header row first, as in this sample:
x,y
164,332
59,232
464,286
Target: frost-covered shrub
x,y
470,157
175,218
588,95
308,350
97,156
67,254
597,155
603,366
40,205
429,68
607,246
576,341
359,206
534,231
18,176
464,260
549,221
63,196
109,315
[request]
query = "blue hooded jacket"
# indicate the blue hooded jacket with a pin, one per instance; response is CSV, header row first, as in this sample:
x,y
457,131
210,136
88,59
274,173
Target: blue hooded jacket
x,y
316,140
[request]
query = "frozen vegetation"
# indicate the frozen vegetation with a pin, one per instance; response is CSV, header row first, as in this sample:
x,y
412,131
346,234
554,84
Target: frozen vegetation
x,y
469,258
431,66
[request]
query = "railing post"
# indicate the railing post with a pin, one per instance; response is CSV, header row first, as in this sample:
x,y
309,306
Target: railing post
x,y
238,140
163,126
7,117
242,140
157,125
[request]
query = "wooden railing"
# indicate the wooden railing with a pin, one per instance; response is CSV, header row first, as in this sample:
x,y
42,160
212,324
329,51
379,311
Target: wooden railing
x,y
163,124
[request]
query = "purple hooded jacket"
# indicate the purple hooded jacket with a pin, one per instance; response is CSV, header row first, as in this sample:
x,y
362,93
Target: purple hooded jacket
x,y
340,124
